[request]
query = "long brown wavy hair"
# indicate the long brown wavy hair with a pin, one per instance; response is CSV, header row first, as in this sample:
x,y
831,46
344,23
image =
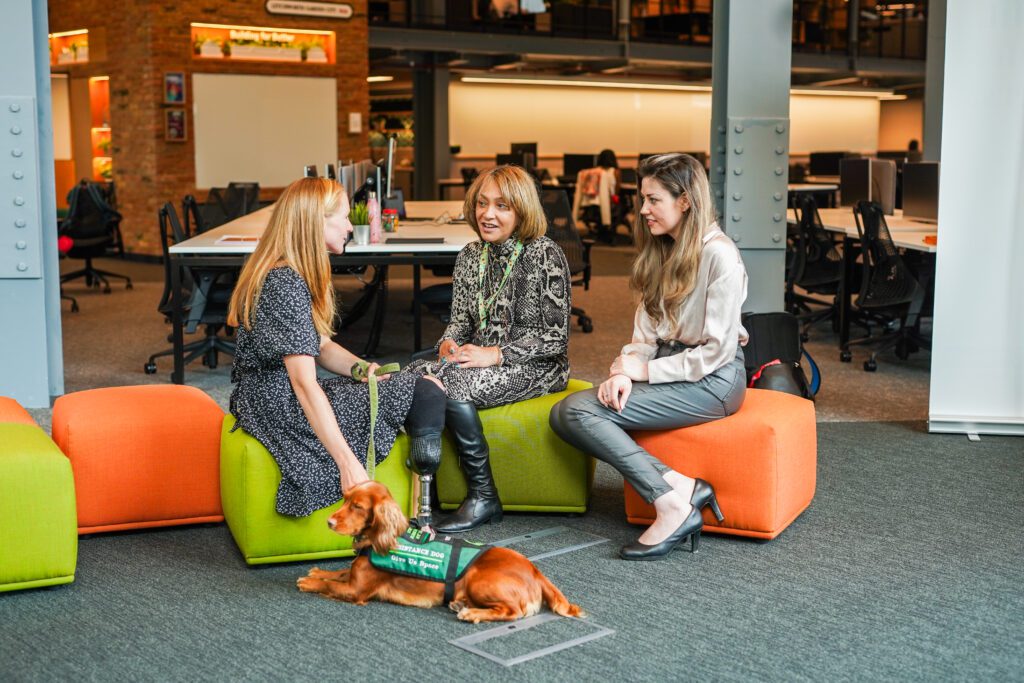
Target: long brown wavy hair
x,y
294,237
665,270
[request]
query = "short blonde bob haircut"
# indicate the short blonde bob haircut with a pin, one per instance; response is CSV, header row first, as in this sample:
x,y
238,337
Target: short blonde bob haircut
x,y
519,190
294,237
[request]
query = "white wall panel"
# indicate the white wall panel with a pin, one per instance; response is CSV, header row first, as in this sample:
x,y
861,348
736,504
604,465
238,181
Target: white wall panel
x,y
262,128
977,379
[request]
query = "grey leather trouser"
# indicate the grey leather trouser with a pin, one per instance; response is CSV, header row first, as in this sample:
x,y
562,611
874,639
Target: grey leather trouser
x,y
581,420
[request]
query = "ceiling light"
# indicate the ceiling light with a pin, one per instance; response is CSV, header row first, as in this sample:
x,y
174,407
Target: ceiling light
x,y
379,79
62,34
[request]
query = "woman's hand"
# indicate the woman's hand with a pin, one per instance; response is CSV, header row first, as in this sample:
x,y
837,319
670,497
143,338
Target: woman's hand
x,y
352,475
370,369
473,356
614,392
631,366
447,351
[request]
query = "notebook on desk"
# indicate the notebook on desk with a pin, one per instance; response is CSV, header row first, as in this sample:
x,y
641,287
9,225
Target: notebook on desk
x,y
238,239
414,240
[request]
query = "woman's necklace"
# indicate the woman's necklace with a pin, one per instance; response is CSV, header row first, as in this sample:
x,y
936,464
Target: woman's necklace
x,y
484,307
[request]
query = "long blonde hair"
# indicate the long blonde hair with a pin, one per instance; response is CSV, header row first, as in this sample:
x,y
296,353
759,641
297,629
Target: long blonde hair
x,y
665,270
518,188
295,238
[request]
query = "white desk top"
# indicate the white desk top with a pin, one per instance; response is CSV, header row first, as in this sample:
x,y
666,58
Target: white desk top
x,y
456,235
906,233
813,187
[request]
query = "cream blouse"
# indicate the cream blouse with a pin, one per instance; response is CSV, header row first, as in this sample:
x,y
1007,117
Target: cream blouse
x,y
708,319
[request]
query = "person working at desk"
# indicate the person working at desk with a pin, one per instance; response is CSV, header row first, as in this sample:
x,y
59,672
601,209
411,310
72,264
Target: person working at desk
x,y
318,430
508,338
685,364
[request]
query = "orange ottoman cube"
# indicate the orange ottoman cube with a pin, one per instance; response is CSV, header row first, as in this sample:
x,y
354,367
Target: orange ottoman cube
x,y
142,456
761,461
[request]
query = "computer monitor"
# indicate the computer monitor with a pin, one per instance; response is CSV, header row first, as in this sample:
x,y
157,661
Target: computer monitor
x,y
921,191
521,150
503,159
883,184
377,177
868,180
574,163
825,163
854,181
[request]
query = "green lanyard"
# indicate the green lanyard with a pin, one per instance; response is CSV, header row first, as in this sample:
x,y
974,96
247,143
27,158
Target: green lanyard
x,y
358,373
484,307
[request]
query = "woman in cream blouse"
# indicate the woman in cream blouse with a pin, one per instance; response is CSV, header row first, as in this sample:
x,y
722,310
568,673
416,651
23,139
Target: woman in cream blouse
x,y
685,364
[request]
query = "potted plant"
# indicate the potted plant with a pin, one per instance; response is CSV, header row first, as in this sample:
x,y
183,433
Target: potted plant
x,y
359,216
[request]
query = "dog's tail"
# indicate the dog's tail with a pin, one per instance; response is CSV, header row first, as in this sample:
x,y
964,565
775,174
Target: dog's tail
x,y
557,602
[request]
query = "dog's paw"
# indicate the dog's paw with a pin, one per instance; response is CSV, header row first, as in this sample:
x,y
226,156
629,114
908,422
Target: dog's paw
x,y
308,584
467,614
317,573
456,606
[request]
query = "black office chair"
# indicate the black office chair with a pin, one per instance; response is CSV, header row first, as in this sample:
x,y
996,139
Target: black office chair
x,y
94,227
889,293
206,294
814,264
562,229
200,217
468,174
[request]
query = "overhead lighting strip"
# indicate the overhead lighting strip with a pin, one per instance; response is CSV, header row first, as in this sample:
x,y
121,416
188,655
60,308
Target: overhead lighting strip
x,y
821,92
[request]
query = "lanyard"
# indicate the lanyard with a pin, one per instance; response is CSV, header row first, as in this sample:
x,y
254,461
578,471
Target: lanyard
x,y
484,306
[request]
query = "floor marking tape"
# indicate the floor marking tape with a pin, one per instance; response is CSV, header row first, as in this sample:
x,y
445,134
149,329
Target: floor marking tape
x,y
469,643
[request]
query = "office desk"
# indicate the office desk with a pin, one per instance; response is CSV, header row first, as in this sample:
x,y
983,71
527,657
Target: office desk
x,y
905,233
204,250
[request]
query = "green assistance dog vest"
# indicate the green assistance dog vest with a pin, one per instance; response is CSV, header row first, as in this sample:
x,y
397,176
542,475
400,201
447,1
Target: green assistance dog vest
x,y
421,556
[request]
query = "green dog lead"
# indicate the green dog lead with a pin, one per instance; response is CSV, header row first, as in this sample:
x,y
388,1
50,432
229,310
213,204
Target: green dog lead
x,y
359,370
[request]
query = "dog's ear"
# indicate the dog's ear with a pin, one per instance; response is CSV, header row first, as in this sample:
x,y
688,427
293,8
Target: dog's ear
x,y
388,524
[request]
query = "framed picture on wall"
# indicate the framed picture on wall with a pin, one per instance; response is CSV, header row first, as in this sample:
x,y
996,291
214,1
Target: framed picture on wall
x,y
175,125
174,87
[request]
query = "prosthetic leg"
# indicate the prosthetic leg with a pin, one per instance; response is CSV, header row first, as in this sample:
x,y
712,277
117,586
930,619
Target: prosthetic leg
x,y
424,460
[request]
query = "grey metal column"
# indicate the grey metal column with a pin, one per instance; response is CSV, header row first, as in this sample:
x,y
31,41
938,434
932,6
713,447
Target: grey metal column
x,y
31,353
430,111
933,75
751,58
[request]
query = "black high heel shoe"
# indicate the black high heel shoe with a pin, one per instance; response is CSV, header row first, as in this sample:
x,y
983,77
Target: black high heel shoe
x,y
703,495
690,528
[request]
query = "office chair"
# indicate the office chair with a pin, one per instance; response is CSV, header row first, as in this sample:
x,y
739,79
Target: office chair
x,y
205,292
815,265
562,229
889,293
94,228
202,217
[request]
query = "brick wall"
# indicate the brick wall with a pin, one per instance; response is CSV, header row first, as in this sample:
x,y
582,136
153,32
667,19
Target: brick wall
x,y
146,38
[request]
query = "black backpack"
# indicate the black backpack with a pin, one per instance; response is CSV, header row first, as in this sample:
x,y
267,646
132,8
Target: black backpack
x,y
773,355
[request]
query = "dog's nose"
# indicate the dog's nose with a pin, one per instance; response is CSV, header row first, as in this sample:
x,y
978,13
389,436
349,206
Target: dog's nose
x,y
330,522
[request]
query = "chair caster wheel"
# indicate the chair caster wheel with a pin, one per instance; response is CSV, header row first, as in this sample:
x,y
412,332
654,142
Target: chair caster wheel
x,y
804,337
106,290
845,356
587,325
74,308
129,285
150,368
870,366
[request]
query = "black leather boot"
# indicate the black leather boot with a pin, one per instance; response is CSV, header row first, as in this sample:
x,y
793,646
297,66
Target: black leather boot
x,y
424,459
481,504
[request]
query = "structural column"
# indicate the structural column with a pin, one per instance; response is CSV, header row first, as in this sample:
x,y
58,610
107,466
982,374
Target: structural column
x,y
933,74
430,111
31,362
751,58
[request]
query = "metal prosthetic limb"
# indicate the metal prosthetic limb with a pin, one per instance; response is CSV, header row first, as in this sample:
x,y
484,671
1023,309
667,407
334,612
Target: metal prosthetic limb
x,y
424,460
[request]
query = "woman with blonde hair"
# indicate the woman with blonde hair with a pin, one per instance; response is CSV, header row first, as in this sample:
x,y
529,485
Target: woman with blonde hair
x,y
685,364
508,338
318,430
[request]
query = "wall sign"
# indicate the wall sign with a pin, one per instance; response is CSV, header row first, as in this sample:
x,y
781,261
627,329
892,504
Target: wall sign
x,y
262,43
307,8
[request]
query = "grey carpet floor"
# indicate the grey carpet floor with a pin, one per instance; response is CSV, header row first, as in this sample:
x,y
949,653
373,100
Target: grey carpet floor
x,y
905,567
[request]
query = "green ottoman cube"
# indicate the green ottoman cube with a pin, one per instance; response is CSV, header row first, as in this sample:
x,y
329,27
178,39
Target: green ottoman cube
x,y
534,470
249,478
38,521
